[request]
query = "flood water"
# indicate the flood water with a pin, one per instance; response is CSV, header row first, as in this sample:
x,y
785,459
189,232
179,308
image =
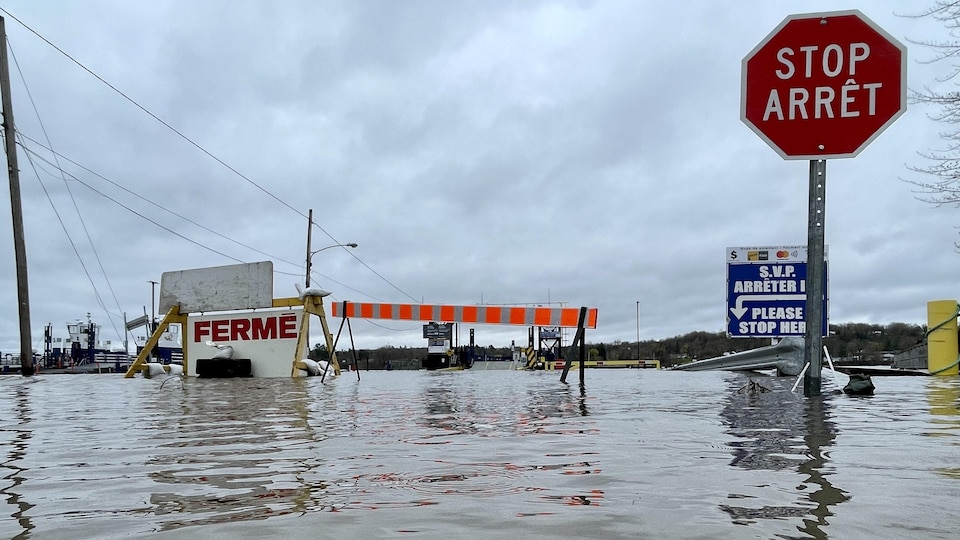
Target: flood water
x,y
477,454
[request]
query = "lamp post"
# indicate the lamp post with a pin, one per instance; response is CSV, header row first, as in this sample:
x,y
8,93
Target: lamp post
x,y
153,306
638,330
155,352
310,254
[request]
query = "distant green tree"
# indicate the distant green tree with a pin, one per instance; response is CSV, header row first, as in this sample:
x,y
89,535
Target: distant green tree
x,y
319,352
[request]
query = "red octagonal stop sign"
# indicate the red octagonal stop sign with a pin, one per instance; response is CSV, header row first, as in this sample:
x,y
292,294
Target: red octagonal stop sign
x,y
823,85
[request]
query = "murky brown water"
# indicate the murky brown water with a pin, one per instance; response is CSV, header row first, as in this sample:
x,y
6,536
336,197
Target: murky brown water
x,y
477,454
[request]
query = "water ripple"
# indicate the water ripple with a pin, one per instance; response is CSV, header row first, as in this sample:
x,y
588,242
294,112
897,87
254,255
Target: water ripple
x,y
633,453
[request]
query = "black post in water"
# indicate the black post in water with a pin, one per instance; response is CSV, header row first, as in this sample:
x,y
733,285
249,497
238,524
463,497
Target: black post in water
x,y
353,348
583,342
813,336
577,346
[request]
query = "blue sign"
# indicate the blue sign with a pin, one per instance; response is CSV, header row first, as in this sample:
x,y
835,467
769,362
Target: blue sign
x,y
768,299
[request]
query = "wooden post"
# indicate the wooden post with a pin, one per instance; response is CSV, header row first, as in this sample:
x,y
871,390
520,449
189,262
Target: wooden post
x,y
16,210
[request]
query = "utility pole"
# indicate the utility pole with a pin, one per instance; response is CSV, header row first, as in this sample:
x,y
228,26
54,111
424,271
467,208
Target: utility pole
x,y
306,284
309,234
19,244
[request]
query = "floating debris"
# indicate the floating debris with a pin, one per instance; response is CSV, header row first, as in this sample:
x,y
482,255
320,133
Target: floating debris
x,y
859,385
753,388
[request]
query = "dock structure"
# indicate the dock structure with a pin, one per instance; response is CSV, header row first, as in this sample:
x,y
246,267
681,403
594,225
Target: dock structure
x,y
606,364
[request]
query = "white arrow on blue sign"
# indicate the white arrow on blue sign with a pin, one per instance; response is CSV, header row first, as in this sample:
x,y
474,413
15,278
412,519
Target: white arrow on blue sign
x,y
766,293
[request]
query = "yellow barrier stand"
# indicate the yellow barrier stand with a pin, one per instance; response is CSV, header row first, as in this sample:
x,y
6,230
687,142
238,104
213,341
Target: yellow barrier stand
x,y
942,349
172,316
314,305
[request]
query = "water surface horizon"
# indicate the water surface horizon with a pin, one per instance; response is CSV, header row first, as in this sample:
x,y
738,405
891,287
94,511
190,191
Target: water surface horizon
x,y
478,454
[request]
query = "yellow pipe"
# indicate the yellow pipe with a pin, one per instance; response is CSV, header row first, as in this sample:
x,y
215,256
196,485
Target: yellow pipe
x,y
942,347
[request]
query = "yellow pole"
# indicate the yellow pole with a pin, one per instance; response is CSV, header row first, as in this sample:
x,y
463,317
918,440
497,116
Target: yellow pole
x,y
298,354
172,316
942,353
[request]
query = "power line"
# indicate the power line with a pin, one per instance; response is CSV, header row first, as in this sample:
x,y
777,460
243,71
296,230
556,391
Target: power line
x,y
146,200
200,148
155,117
134,212
77,209
165,209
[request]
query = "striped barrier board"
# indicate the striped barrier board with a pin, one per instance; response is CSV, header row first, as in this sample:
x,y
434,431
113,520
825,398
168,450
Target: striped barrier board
x,y
525,316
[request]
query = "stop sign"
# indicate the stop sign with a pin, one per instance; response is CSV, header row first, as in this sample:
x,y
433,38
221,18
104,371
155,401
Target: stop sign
x,y
823,85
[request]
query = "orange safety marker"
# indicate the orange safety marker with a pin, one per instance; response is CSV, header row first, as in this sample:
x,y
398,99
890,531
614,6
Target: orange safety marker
x,y
523,316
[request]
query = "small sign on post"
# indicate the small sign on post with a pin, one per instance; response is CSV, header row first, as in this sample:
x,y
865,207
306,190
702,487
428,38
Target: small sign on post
x,y
767,292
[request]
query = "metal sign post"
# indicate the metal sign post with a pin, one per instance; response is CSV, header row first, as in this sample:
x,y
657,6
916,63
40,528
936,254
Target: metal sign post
x,y
813,337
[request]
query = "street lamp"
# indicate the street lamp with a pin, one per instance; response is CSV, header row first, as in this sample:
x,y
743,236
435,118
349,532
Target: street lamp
x,y
638,330
310,255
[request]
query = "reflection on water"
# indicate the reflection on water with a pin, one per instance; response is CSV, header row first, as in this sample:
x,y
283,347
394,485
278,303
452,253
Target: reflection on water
x,y
16,443
819,437
778,430
944,398
630,454
221,452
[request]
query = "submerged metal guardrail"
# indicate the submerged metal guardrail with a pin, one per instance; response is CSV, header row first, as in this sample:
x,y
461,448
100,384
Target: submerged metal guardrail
x,y
786,357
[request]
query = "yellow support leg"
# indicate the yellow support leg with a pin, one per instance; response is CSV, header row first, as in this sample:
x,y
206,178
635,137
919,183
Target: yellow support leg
x,y
314,305
298,354
942,349
172,316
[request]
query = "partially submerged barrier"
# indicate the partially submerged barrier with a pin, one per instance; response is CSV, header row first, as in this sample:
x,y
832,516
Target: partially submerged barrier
x,y
786,357
938,352
234,306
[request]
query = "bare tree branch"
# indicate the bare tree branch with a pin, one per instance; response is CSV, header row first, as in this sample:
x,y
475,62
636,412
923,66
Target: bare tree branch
x,y
939,177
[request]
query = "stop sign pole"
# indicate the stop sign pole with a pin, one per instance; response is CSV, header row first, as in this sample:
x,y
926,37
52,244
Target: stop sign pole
x,y
819,86
816,280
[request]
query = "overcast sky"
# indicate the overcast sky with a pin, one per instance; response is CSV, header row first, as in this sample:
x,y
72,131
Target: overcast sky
x,y
490,152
